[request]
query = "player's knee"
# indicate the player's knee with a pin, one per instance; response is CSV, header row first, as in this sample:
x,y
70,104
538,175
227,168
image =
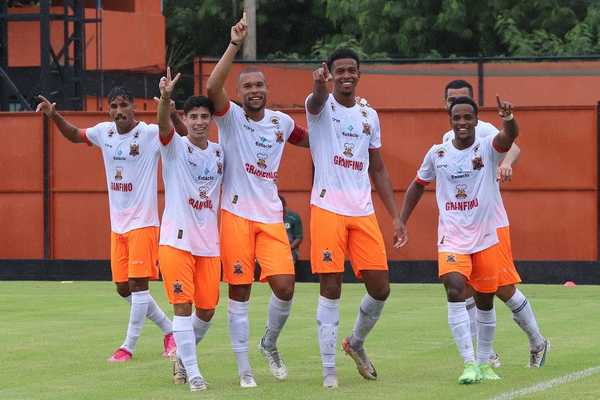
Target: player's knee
x,y
284,293
331,290
380,294
205,314
454,294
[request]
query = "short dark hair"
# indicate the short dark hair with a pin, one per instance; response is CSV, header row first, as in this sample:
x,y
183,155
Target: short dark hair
x,y
198,101
122,91
250,69
458,84
342,52
463,100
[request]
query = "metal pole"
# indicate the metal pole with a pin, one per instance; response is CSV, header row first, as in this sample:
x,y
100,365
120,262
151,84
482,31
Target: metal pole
x,y
3,54
45,46
249,50
480,82
47,195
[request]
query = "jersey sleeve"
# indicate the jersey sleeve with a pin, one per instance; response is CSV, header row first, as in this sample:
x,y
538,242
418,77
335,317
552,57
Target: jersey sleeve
x,y
448,136
169,145
496,153
324,110
93,135
485,129
375,141
426,172
225,120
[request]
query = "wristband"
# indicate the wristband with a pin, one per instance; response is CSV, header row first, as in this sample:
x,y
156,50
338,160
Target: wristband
x,y
235,44
509,117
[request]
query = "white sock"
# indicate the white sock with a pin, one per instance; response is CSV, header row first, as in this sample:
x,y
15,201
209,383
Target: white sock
x,y
279,310
156,315
472,310
525,318
200,327
137,315
239,331
458,320
486,323
328,319
368,314
183,331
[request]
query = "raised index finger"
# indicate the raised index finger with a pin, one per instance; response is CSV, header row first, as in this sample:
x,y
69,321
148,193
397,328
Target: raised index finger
x,y
498,101
325,69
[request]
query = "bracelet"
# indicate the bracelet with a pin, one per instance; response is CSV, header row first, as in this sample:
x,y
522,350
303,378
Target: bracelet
x,y
234,43
509,117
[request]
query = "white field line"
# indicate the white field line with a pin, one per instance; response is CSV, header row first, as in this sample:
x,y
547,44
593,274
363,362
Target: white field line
x,y
540,387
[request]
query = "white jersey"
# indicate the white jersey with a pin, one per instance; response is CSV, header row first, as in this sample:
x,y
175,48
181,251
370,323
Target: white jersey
x,y
484,129
192,179
340,138
465,194
130,163
254,150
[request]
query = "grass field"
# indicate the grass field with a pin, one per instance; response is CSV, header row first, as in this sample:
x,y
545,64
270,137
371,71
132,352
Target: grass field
x,y
55,338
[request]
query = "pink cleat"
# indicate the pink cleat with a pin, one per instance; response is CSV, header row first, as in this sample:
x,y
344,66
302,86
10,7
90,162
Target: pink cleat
x,y
120,355
169,345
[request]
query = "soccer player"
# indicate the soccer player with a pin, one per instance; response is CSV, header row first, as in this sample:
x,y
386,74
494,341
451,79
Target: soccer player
x,y
130,150
189,237
345,142
512,297
253,137
293,227
465,173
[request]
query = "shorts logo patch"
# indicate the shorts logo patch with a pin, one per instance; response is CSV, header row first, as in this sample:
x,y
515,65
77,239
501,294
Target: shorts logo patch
x,y
237,268
177,287
451,258
327,256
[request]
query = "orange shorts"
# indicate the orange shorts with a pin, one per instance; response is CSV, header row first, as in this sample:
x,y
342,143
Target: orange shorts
x,y
481,269
243,242
508,274
190,279
331,234
134,254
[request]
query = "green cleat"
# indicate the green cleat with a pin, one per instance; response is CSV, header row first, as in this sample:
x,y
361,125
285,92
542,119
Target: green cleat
x,y
487,373
470,375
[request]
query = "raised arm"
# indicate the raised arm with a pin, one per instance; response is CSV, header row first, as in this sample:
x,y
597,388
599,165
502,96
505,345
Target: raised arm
x,y
71,132
383,185
215,86
510,130
180,127
166,86
319,94
411,199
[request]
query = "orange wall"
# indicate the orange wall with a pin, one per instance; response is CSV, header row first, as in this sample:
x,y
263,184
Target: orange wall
x,y
130,41
552,201
422,85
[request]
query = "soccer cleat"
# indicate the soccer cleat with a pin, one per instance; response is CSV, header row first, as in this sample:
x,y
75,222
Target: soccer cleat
x,y
197,384
487,373
495,360
537,358
120,355
169,346
470,374
247,381
276,365
363,364
330,382
179,374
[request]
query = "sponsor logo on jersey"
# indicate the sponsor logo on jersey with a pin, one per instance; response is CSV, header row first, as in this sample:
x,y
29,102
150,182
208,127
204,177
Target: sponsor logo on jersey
x,y
462,205
121,187
248,127
263,142
350,164
200,204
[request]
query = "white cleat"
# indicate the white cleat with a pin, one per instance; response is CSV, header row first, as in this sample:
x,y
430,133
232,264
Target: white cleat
x,y
197,384
179,374
330,382
537,358
276,364
247,381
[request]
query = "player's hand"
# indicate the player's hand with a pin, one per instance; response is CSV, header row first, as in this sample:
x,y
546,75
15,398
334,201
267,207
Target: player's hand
x,y
167,84
46,106
239,31
172,108
321,75
400,233
504,108
504,173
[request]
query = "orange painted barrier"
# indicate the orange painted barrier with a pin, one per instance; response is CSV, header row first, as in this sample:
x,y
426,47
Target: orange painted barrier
x,y
552,202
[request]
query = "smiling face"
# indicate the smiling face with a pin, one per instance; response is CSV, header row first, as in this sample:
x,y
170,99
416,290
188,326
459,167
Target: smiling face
x,y
346,75
463,120
252,89
197,121
121,111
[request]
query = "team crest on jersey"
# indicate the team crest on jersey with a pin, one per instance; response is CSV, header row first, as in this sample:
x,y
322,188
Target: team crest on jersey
x,y
119,174
279,137
441,153
477,163
348,149
219,168
203,193
327,256
461,192
366,128
134,149
261,160
450,258
177,287
237,268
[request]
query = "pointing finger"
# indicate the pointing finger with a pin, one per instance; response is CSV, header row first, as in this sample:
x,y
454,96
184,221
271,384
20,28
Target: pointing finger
x,y
498,101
